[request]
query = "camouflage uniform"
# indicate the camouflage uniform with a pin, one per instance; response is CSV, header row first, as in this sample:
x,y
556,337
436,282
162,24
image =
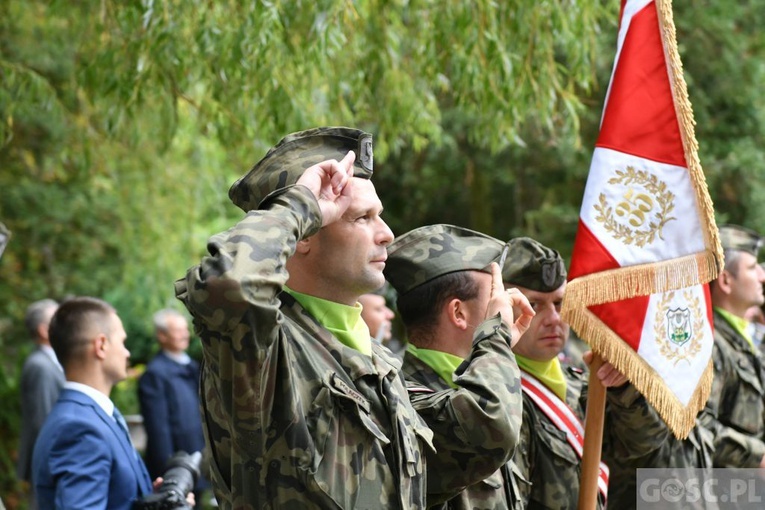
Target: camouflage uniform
x,y
549,466
293,418
627,411
496,491
634,436
476,424
737,399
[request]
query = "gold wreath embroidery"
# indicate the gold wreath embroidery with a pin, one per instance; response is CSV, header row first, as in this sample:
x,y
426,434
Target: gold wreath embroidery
x,y
637,208
666,349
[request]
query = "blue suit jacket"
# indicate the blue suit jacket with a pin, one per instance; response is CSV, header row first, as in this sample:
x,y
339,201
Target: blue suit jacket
x,y
84,459
169,396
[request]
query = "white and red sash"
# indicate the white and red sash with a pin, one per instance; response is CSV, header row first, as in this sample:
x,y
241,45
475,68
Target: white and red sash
x,y
563,418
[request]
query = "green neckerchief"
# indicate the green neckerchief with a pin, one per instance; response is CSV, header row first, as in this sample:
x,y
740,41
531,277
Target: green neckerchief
x,y
738,323
442,363
343,321
550,373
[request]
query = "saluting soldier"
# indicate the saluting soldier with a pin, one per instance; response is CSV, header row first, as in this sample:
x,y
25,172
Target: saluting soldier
x,y
301,408
463,376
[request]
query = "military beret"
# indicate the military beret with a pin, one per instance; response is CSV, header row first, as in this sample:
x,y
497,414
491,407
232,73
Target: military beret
x,y
734,237
284,163
533,265
428,252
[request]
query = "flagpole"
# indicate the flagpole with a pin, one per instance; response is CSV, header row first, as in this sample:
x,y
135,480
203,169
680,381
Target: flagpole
x,y
593,438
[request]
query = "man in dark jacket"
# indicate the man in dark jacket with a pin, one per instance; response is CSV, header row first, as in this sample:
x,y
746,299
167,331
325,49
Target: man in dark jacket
x,y
169,396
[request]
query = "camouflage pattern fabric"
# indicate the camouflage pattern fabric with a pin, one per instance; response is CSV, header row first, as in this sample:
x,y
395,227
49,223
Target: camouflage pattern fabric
x,y
734,237
284,163
426,253
293,418
467,423
627,411
737,399
549,465
532,265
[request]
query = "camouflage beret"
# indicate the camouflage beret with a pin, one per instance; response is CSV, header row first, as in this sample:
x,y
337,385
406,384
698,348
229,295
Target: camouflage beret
x,y
734,237
533,265
435,250
287,160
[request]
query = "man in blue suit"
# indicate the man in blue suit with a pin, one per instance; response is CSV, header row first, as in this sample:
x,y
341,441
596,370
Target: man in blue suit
x,y
84,457
169,396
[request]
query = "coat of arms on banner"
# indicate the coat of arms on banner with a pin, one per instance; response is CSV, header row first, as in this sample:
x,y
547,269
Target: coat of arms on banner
x,y
679,329
677,326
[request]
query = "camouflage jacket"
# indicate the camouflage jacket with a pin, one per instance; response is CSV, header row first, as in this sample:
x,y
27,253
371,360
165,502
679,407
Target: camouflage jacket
x,y
475,426
293,418
551,467
628,410
736,399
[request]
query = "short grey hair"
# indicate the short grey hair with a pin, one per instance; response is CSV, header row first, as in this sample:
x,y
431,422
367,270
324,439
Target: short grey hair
x,y
37,313
162,316
731,258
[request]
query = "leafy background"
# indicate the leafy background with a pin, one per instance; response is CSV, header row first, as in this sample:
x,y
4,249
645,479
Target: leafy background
x,y
122,125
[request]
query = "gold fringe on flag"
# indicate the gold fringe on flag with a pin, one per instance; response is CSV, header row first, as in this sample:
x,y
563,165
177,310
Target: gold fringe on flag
x,y
640,280
684,113
680,418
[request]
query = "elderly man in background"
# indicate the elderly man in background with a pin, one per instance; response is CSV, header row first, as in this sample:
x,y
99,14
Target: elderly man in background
x,y
168,392
41,380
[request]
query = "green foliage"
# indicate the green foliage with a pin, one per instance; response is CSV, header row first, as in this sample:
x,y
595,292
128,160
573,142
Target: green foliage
x,y
122,124
258,70
10,413
116,118
125,393
722,45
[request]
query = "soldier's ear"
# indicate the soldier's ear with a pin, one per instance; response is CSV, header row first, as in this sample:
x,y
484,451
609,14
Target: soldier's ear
x,y
456,314
724,281
304,246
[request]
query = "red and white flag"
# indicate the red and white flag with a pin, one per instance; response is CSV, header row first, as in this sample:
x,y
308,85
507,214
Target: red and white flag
x,y
647,242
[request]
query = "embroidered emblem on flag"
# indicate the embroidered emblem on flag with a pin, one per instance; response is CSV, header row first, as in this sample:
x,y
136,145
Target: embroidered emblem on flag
x,y
647,242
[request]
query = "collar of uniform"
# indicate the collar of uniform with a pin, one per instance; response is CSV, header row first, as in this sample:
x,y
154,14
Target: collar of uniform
x,y
549,373
343,321
739,324
442,363
354,363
